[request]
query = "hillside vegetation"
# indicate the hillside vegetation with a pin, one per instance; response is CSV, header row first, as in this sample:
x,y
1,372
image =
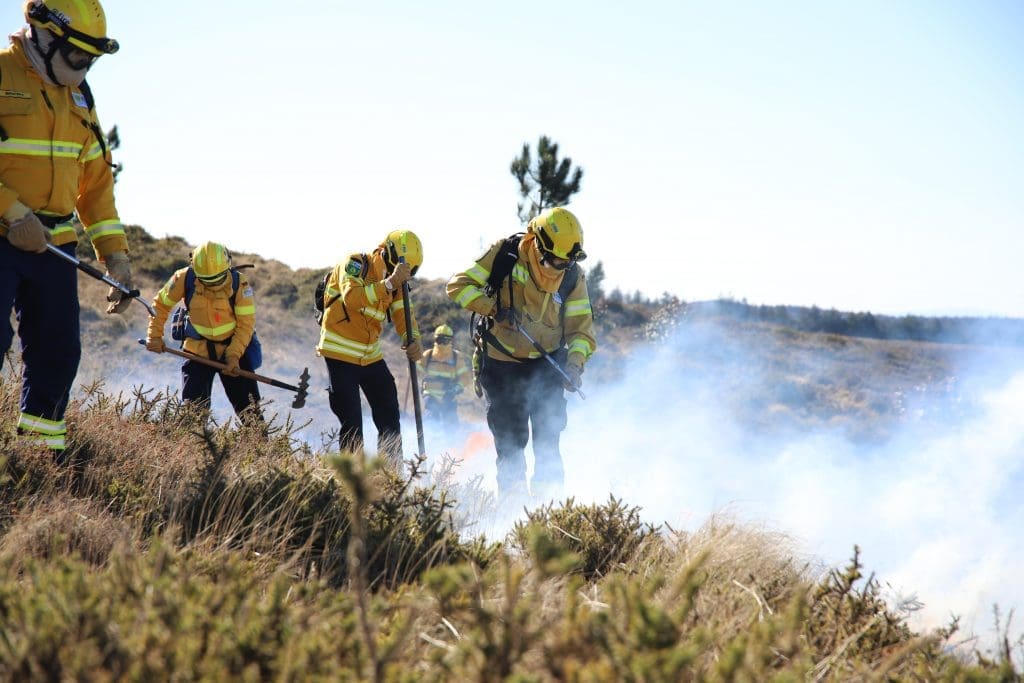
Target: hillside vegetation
x,y
175,550
169,551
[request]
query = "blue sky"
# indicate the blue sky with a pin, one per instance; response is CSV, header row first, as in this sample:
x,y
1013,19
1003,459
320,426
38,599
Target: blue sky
x,y
861,156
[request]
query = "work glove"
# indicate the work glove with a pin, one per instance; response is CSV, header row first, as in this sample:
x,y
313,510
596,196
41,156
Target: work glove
x,y
156,345
24,229
413,351
398,277
119,269
575,373
231,363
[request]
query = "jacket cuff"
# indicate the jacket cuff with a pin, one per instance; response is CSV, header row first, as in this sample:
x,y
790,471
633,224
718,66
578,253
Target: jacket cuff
x,y
108,244
7,197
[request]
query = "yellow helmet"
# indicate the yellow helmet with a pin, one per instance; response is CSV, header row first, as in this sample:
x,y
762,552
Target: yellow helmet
x,y
80,23
443,331
559,233
403,244
211,261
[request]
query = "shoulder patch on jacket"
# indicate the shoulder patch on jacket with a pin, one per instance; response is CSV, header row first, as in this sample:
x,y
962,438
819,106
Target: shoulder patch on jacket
x,y
79,99
247,291
354,267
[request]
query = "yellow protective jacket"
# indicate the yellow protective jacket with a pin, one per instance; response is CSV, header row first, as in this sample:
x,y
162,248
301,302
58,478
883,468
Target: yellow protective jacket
x,y
440,375
356,303
50,157
210,312
539,312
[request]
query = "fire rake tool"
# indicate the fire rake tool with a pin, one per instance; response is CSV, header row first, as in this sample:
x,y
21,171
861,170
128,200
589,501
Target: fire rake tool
x,y
301,391
548,358
412,368
101,276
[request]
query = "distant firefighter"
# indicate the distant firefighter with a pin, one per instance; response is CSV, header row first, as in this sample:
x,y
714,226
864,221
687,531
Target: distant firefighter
x,y
445,376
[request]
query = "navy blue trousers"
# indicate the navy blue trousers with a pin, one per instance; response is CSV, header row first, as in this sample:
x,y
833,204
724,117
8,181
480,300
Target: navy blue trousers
x,y
242,392
43,290
378,384
525,399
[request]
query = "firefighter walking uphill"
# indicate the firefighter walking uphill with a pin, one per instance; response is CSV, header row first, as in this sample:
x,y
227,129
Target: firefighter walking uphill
x,y
218,322
529,288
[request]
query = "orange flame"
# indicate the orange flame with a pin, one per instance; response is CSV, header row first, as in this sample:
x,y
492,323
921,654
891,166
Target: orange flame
x,y
476,443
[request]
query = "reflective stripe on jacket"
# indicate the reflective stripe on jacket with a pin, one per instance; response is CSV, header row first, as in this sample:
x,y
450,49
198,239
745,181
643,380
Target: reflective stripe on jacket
x,y
539,312
50,159
210,313
356,305
439,376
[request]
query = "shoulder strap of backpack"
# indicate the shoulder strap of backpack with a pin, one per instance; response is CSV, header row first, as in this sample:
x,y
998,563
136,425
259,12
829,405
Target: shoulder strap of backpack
x,y
236,281
569,280
501,269
190,286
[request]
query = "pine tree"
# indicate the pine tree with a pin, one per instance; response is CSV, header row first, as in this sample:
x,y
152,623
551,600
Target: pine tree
x,y
546,183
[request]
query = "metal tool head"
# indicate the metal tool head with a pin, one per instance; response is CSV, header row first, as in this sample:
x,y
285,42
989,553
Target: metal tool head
x,y
300,395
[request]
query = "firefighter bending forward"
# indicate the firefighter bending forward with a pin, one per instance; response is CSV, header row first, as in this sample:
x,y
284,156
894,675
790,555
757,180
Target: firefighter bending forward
x,y
54,162
523,392
221,326
362,292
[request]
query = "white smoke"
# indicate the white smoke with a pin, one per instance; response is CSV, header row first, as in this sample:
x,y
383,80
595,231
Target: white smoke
x,y
936,509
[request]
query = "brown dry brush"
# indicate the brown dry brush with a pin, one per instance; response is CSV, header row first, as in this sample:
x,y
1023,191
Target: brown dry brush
x,y
171,548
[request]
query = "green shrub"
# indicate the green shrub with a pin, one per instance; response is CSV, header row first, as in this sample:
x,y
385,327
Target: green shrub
x,y
604,536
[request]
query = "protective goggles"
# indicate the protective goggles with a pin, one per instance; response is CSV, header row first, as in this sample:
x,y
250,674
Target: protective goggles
x,y
44,15
213,280
77,58
443,339
556,262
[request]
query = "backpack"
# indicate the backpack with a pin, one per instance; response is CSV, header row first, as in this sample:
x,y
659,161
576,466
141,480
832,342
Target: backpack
x,y
501,269
182,329
320,306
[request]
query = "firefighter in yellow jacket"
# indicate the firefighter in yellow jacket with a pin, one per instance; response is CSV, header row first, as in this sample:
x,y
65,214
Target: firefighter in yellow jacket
x,y
221,326
54,162
362,292
445,376
542,294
